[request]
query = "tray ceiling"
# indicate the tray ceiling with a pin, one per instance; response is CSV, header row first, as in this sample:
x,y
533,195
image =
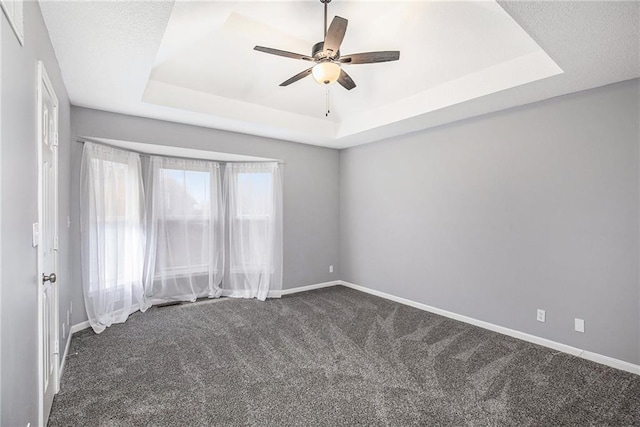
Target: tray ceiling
x,y
193,62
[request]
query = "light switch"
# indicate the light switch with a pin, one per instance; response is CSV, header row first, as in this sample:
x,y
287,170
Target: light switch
x,y
35,234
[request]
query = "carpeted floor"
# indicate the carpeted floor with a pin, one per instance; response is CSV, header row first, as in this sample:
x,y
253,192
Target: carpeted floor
x,y
328,357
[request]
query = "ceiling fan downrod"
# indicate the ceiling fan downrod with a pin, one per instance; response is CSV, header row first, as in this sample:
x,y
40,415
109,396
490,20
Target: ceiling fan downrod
x,y
325,2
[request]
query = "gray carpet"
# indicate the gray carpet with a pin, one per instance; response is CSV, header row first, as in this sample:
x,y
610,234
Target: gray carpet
x,y
328,357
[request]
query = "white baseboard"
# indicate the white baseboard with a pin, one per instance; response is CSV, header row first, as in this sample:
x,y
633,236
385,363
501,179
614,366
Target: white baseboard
x,y
75,328
594,357
278,294
80,326
64,357
308,288
85,325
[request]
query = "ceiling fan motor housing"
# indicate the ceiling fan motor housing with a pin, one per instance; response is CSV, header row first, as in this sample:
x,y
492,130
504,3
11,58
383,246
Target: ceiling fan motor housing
x,y
317,52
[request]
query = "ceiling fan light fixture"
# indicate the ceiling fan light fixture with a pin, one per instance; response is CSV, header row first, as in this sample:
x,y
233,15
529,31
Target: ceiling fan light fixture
x,y
326,72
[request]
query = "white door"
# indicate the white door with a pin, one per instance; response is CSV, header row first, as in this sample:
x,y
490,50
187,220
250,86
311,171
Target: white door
x,y
48,239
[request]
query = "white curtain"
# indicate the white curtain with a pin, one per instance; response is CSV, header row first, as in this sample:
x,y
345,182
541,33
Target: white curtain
x,y
253,194
185,244
112,234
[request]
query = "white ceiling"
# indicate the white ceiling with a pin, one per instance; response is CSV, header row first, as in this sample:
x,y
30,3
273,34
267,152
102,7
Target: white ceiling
x,y
193,62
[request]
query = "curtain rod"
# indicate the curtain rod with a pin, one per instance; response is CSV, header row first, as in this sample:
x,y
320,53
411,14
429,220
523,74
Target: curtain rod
x,y
143,154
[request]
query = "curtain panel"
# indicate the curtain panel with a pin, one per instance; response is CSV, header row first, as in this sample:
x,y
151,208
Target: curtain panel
x,y
171,245
185,230
253,197
112,234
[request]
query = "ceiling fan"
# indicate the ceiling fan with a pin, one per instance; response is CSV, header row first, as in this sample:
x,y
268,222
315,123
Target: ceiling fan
x,y
327,58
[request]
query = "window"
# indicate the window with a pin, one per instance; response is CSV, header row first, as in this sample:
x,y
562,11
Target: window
x,y
252,227
185,243
254,211
255,195
185,221
171,246
254,200
112,233
186,192
118,212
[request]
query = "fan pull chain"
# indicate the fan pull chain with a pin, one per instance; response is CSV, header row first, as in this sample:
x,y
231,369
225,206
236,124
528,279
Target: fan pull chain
x,y
328,102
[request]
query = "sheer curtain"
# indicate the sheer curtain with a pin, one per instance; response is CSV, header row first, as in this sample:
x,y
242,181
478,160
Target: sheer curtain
x,y
185,244
253,193
112,234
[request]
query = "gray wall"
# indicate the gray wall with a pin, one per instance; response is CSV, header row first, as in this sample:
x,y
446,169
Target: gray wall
x,y
494,217
18,177
311,188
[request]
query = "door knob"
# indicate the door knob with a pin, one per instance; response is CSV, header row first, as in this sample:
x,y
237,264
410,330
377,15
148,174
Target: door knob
x,y
51,278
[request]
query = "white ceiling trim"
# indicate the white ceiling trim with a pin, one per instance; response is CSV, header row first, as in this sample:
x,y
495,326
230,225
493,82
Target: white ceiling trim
x,y
519,71
258,117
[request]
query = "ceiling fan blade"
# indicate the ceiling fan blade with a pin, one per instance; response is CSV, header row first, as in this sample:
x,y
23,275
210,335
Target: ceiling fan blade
x,y
346,81
283,53
297,77
371,57
335,35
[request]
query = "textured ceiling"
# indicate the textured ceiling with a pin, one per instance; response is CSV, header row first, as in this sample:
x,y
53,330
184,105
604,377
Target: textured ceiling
x,y
128,57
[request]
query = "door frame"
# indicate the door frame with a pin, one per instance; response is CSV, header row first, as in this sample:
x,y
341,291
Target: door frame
x,y
43,83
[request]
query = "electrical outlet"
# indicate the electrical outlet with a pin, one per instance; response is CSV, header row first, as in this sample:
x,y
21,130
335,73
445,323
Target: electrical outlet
x,y
541,316
579,325
331,269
